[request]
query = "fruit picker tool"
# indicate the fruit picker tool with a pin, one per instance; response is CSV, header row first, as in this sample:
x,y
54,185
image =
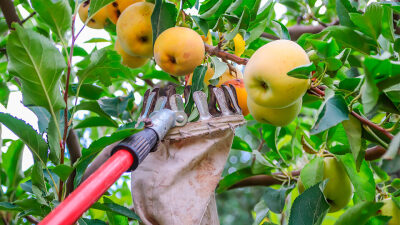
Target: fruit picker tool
x,y
159,114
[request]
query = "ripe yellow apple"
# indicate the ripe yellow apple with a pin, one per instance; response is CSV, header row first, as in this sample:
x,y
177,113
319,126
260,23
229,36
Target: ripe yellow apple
x,y
241,94
339,190
226,76
179,50
265,75
134,29
277,117
116,8
97,21
390,209
129,60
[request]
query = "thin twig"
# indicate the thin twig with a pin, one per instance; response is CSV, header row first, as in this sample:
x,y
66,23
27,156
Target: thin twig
x,y
27,18
32,219
211,50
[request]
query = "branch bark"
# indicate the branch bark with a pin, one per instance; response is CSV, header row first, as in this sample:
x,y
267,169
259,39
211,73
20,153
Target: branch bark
x,y
9,12
297,30
74,151
211,50
371,154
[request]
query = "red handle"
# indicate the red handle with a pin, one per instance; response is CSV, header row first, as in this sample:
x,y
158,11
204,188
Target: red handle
x,y
80,200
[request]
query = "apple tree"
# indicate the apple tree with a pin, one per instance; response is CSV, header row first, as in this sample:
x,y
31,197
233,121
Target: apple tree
x,y
325,151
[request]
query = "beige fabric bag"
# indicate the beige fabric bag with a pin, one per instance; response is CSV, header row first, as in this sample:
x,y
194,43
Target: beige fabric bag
x,y
175,184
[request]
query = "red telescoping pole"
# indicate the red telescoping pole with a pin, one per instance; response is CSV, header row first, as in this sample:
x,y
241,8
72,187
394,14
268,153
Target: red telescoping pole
x,y
80,200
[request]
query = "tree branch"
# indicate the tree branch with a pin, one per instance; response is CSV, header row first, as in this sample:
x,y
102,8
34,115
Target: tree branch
x,y
9,12
32,219
74,150
211,50
297,30
371,154
27,18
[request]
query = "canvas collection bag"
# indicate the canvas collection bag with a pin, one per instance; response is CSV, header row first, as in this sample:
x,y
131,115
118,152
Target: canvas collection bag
x,y
175,185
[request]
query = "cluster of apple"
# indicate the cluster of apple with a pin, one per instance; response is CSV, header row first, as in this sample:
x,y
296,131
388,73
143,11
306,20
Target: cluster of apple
x,y
273,96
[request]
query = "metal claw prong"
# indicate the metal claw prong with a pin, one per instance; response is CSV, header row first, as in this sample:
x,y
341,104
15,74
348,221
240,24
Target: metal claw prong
x,y
170,90
230,93
222,104
200,98
160,104
176,103
212,102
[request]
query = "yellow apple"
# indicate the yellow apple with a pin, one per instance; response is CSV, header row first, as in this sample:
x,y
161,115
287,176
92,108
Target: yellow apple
x,y
116,8
339,190
226,76
390,209
277,117
129,60
134,29
265,75
97,21
179,50
241,94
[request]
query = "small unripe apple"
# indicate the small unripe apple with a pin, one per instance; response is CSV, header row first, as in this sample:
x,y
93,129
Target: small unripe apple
x,y
116,8
129,60
241,94
97,21
179,50
265,75
390,209
277,117
339,190
226,76
134,29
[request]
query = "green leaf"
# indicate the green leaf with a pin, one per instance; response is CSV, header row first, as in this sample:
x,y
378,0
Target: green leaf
x,y
333,112
275,199
197,85
53,139
313,172
394,147
12,162
63,171
348,38
302,72
202,24
354,131
343,8
369,90
97,40
261,210
28,135
233,178
369,23
57,15
387,23
95,122
88,91
85,221
38,64
242,24
93,106
359,214
110,206
363,181
115,106
283,30
6,206
4,93
214,9
43,117
95,6
325,49
310,207
104,64
160,75
219,67
163,17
